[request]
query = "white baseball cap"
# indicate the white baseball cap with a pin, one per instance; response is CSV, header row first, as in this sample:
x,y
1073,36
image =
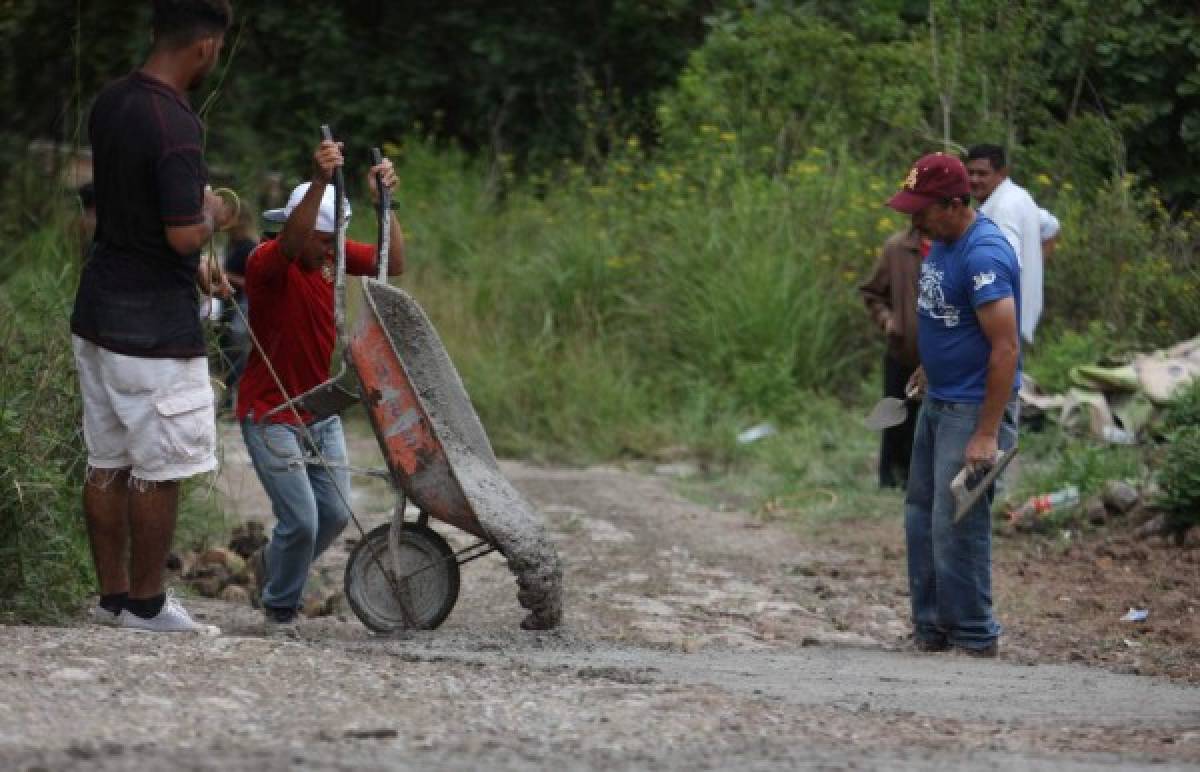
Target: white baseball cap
x,y
325,215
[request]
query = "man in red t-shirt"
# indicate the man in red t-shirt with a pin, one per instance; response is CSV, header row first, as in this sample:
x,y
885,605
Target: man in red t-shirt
x,y
289,289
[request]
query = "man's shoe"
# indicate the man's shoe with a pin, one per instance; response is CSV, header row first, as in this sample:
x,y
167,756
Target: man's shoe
x,y
173,618
281,622
930,645
280,617
103,616
991,651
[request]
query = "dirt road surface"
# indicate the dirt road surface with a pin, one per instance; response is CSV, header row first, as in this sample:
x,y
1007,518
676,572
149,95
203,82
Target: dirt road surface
x,y
694,639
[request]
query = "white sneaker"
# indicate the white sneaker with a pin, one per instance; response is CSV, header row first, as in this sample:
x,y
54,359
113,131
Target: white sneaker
x,y
173,618
103,616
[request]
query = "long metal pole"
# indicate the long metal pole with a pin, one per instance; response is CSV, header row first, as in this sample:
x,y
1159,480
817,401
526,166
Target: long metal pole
x,y
339,283
384,241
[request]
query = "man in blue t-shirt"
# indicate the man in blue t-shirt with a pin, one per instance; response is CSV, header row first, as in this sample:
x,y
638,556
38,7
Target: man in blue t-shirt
x,y
968,304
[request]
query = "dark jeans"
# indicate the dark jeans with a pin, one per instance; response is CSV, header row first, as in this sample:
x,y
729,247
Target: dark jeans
x,y
235,349
895,449
949,564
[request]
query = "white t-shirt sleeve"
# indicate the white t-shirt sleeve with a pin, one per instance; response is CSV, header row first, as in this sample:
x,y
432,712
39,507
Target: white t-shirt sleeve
x,y
1048,224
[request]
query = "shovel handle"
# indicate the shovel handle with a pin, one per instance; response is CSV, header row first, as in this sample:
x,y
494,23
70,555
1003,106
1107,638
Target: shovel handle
x,y
339,181
384,239
339,282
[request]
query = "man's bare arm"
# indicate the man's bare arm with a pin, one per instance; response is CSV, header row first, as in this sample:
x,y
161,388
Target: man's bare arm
x,y
302,221
190,239
385,171
998,321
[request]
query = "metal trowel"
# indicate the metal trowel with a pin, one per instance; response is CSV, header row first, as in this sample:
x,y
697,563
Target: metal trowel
x,y
890,411
968,485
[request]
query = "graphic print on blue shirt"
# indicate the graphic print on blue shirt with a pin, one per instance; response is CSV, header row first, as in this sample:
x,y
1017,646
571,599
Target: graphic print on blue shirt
x,y
956,279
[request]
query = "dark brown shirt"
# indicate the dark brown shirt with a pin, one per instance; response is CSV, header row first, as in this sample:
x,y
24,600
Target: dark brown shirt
x,y
891,293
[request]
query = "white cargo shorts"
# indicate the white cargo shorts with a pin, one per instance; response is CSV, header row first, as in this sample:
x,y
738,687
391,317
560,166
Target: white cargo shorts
x,y
155,417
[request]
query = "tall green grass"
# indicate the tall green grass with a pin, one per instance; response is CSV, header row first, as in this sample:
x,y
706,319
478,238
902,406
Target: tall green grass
x,y
45,568
616,310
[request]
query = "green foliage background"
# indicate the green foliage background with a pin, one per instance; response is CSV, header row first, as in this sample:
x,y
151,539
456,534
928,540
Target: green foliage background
x,y
639,227
1075,86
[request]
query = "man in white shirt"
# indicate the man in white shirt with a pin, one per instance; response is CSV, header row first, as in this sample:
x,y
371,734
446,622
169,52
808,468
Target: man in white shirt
x,y
1019,218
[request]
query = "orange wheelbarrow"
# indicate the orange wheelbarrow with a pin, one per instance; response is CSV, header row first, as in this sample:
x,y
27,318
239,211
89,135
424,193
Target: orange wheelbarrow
x,y
403,574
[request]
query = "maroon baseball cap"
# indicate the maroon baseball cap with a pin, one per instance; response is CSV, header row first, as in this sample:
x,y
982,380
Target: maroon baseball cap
x,y
932,178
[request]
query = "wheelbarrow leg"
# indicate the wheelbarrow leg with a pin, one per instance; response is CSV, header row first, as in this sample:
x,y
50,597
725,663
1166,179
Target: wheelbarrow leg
x,y
391,564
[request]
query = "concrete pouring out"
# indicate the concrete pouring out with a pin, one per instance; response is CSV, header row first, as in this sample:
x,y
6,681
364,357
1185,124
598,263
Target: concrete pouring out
x,y
510,522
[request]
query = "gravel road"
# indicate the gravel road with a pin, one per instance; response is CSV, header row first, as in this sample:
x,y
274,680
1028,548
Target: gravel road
x,y
694,639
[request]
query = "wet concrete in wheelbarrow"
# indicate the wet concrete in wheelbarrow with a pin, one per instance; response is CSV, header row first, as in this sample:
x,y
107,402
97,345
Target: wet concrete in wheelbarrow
x,y
509,521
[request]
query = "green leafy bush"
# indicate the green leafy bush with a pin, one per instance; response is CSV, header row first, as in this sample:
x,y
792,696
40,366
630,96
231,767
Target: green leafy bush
x,y
1180,477
1184,410
785,79
1060,349
1124,260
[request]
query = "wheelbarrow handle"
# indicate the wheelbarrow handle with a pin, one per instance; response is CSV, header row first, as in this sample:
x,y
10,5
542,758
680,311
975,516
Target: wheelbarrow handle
x,y
384,240
339,282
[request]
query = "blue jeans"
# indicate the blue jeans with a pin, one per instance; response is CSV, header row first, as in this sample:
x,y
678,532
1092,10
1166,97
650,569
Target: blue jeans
x,y
309,511
235,348
949,564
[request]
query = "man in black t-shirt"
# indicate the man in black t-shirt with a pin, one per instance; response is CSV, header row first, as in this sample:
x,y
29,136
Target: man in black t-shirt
x,y
147,400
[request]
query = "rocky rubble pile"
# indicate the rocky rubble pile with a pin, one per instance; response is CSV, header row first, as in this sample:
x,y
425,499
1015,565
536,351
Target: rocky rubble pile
x,y
227,573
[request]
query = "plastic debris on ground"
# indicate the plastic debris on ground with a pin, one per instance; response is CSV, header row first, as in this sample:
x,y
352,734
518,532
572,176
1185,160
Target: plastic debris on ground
x,y
1135,615
755,433
1117,403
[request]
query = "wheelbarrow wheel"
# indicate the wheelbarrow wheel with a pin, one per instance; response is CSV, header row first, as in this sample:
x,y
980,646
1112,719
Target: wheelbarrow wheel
x,y
425,588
